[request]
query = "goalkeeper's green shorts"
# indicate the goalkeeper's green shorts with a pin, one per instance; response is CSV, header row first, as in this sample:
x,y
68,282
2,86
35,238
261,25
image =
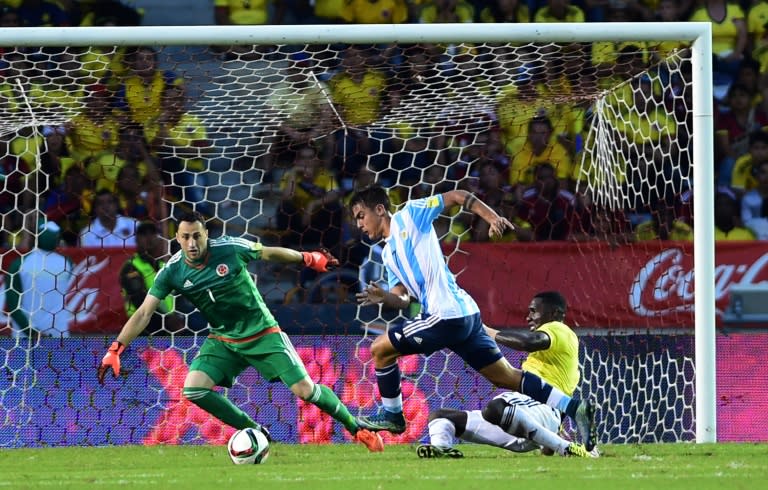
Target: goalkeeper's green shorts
x,y
272,355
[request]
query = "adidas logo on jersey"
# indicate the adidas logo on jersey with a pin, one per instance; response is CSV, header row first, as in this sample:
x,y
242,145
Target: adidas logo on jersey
x,y
398,336
418,340
188,284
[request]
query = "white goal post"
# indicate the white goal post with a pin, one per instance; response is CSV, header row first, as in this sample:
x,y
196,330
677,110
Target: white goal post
x,y
697,33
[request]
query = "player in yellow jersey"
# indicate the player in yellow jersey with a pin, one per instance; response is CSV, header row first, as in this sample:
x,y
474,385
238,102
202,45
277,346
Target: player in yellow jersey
x,y
511,420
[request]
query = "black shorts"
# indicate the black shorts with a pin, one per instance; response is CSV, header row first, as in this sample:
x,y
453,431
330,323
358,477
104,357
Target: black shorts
x,y
465,336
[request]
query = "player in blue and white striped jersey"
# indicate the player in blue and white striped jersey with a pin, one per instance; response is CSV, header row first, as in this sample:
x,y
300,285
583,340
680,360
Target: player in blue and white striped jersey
x,y
449,317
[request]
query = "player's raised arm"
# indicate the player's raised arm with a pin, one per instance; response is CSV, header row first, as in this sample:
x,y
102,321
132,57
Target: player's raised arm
x,y
397,297
132,328
497,224
318,260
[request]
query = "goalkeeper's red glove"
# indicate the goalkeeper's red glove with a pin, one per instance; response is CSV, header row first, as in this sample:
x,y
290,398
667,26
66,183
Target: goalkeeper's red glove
x,y
320,260
111,360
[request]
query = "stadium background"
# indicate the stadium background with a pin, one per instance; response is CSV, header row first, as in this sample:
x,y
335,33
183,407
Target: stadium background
x,y
66,407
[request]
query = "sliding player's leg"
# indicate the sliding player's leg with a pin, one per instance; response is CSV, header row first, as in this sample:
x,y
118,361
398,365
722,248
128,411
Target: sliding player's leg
x,y
501,373
446,425
480,431
519,415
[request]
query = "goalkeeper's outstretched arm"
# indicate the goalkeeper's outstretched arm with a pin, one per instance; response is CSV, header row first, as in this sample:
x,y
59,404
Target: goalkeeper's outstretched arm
x,y
138,321
319,260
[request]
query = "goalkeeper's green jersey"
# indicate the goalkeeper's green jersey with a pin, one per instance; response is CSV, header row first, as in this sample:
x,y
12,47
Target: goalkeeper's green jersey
x,y
220,286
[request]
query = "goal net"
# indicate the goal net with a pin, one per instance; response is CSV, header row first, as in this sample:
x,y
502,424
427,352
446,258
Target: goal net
x,y
582,137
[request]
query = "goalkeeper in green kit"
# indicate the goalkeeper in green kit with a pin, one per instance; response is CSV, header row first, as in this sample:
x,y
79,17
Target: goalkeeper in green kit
x,y
212,275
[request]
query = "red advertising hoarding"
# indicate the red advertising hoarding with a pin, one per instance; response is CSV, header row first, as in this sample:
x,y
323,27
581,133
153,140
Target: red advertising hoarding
x,y
94,297
639,286
647,285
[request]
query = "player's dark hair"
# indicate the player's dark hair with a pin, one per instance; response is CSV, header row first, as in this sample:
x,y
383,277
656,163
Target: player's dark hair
x,y
192,217
554,301
370,197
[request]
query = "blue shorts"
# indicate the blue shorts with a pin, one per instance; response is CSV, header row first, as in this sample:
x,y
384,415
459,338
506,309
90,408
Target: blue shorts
x,y
465,336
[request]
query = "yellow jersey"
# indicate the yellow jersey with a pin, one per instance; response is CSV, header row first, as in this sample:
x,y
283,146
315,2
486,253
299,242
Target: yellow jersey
x,y
360,101
558,365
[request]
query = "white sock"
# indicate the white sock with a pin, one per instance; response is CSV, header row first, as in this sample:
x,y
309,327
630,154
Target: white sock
x,y
394,405
481,431
524,424
442,433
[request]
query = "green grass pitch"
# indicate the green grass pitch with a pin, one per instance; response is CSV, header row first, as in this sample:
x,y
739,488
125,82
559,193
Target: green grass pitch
x,y
347,466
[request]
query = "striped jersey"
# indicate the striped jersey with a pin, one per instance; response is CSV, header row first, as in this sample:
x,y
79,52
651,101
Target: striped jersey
x,y
220,286
558,365
413,258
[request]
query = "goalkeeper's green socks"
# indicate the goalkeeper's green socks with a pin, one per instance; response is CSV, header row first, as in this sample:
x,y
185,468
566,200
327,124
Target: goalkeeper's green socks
x,y
327,401
220,407
226,411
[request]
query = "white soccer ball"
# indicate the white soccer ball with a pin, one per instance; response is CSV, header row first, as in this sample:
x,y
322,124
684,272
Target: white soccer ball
x,y
248,446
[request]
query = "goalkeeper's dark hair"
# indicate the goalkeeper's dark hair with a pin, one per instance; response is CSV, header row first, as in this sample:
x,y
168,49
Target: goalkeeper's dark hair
x,y
370,197
192,217
554,301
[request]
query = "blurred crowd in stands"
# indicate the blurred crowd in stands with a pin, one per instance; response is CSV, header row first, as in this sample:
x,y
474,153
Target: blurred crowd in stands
x,y
136,148
114,174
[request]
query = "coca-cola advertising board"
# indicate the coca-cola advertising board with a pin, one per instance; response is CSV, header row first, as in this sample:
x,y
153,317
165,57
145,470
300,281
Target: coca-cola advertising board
x,y
94,298
647,285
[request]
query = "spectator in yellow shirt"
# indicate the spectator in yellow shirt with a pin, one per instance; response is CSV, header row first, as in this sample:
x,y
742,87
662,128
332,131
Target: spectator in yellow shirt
x,y
310,212
180,141
132,149
447,11
606,55
375,11
247,12
359,90
359,93
728,222
244,13
305,114
140,97
510,11
559,11
729,36
95,129
754,204
757,19
540,148
663,225
517,104
741,178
